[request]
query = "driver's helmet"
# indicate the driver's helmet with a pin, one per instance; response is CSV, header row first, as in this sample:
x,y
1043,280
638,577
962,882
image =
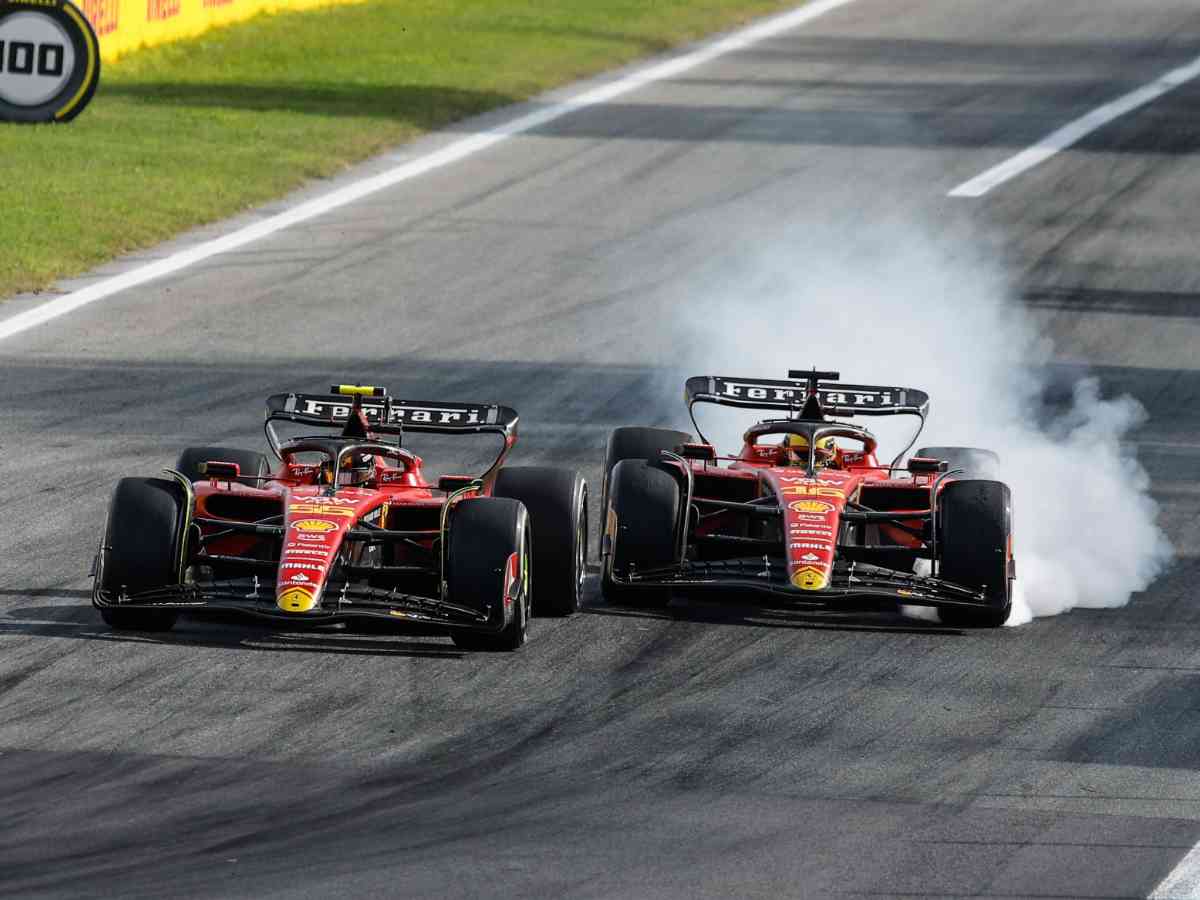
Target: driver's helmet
x,y
796,451
357,469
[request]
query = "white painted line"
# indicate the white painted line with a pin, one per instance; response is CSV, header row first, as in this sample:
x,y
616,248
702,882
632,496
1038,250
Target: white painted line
x,y
1074,132
739,40
1184,881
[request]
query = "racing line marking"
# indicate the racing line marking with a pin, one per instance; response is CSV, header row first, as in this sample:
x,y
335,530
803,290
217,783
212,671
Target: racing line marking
x,y
1075,131
1184,881
738,40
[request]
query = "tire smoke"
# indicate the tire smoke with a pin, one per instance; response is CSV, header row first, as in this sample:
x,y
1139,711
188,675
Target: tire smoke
x,y
889,305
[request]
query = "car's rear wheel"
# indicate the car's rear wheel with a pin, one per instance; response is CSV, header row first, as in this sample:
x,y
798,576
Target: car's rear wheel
x,y
486,534
641,528
975,462
249,462
556,500
141,550
975,548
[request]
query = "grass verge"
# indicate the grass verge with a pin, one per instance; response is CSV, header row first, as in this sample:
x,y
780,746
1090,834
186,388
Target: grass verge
x,y
192,132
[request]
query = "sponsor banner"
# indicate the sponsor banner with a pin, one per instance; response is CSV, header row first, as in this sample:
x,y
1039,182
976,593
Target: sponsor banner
x,y
314,526
127,25
827,476
762,393
786,395
321,509
810,545
401,412
808,490
811,506
333,501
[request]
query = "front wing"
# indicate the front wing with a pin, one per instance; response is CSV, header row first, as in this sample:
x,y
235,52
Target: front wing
x,y
255,598
850,581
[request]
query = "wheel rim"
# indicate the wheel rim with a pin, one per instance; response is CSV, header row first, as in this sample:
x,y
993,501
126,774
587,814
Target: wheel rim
x,y
581,554
527,588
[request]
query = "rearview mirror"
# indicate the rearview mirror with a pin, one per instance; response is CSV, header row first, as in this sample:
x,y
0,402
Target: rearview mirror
x,y
924,465
450,483
225,471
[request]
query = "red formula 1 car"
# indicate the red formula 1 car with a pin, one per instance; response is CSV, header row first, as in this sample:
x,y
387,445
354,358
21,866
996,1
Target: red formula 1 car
x,y
347,527
805,511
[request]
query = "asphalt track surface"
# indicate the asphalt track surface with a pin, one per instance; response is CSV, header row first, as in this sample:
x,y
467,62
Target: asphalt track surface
x,y
705,751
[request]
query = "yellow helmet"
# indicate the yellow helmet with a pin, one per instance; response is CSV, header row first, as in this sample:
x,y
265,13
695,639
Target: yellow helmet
x,y
826,449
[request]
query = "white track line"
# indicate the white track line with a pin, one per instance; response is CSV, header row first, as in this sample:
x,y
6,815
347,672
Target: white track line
x,y
739,40
1074,132
1184,881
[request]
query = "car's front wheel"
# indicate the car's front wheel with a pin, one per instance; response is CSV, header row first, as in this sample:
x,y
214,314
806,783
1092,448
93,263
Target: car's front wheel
x,y
489,568
641,529
142,549
975,548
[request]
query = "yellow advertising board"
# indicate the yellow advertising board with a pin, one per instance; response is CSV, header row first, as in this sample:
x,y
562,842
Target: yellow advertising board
x,y
127,25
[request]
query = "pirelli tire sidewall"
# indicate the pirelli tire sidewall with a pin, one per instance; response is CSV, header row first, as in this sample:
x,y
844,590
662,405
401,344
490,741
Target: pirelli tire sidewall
x,y
81,86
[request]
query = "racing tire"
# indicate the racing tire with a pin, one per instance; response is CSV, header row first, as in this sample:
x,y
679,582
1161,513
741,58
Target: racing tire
x,y
556,500
637,443
485,532
249,462
975,547
641,526
142,542
974,461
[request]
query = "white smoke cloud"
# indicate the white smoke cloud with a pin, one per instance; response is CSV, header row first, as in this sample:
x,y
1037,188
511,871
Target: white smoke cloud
x,y
889,304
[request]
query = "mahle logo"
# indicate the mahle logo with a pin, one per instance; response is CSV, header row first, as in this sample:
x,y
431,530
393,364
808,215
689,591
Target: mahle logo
x,y
49,61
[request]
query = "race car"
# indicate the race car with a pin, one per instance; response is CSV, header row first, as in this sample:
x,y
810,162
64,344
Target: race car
x,y
346,527
805,512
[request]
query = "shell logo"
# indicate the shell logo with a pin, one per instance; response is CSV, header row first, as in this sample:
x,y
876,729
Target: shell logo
x,y
297,600
809,578
314,526
811,506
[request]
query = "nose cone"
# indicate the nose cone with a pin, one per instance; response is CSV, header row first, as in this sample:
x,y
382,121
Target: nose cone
x,y
297,599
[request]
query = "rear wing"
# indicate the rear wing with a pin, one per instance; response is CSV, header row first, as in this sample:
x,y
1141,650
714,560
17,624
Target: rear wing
x,y
386,415
836,398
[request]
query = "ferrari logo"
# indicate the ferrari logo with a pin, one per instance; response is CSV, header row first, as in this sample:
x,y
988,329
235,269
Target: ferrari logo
x,y
809,578
297,600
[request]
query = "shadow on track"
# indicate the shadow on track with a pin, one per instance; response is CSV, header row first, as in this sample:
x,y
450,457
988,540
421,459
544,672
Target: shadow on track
x,y
231,633
710,613
424,106
33,593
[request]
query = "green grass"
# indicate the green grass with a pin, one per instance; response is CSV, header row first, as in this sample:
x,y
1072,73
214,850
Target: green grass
x,y
191,132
